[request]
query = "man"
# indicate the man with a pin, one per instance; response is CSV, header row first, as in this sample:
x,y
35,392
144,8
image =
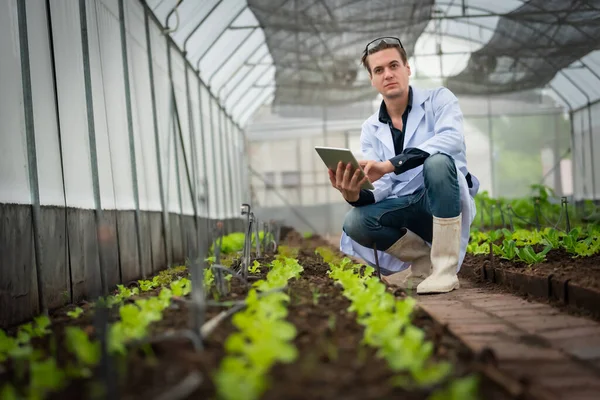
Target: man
x,y
418,216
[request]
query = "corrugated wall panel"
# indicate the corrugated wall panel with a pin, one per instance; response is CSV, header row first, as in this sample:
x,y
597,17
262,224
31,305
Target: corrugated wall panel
x,y
197,128
44,109
14,178
112,138
208,142
72,104
143,124
178,68
165,122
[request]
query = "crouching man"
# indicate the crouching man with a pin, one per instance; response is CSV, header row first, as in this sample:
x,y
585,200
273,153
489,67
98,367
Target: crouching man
x,y
418,216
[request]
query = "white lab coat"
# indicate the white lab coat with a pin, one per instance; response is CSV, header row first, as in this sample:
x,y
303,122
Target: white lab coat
x,y
434,125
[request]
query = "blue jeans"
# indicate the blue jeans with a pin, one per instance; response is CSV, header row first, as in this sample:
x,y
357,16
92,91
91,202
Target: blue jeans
x,y
382,223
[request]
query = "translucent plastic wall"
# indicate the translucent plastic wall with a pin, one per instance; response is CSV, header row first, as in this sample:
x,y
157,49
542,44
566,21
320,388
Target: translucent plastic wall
x,y
114,155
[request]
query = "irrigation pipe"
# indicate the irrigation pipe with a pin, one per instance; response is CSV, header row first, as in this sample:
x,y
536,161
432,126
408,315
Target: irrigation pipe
x,y
184,388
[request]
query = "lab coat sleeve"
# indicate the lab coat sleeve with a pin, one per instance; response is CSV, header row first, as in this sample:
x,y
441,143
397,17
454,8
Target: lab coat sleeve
x,y
383,186
448,129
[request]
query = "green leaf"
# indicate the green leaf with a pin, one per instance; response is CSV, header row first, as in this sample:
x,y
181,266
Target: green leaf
x,y
461,389
86,351
76,313
8,392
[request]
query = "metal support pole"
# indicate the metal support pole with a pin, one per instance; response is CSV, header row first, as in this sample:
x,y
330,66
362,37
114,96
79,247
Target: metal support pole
x,y
173,10
226,59
199,25
233,75
92,143
166,226
192,133
230,166
214,134
204,135
60,140
132,154
246,94
219,37
590,126
239,85
491,140
31,154
175,119
223,163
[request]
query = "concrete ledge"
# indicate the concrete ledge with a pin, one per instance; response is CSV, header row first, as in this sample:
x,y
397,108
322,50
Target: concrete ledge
x,y
128,250
69,242
53,240
544,287
18,280
159,257
83,254
109,247
176,239
147,261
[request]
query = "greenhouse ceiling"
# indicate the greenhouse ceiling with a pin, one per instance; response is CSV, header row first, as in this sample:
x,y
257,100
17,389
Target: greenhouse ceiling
x,y
306,52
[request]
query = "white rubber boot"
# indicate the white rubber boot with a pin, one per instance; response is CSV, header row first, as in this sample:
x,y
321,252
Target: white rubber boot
x,y
445,249
410,248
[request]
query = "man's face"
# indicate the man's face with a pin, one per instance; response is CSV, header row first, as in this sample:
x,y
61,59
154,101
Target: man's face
x,y
389,75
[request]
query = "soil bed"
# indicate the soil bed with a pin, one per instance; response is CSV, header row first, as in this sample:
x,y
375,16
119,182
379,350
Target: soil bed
x,y
332,363
573,284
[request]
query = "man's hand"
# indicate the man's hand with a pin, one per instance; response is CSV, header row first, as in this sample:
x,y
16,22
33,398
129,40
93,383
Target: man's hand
x,y
346,182
376,169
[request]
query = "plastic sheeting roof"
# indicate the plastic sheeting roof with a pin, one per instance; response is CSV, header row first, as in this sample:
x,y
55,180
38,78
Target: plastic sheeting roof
x,y
307,52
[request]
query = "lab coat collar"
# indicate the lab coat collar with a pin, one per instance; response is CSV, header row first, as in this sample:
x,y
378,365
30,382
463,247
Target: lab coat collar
x,y
414,118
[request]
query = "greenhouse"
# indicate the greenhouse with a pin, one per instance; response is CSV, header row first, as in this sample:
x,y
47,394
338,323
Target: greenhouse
x,y
183,215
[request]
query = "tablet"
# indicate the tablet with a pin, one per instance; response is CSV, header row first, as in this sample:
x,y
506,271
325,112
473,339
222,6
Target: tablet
x,y
331,156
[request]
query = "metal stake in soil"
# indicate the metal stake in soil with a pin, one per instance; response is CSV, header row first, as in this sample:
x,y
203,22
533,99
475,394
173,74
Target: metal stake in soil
x,y
107,370
256,237
536,209
218,273
377,260
246,210
565,204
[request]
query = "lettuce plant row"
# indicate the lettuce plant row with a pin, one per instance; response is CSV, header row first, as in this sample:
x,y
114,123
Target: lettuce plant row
x,y
38,373
263,336
519,245
388,328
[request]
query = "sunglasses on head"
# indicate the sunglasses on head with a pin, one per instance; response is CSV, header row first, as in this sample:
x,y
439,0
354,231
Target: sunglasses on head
x,y
387,40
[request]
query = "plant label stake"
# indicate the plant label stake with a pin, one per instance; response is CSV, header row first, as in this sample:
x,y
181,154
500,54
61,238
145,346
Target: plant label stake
x,y
257,238
536,208
218,273
501,214
247,241
377,260
273,241
481,220
565,204
265,233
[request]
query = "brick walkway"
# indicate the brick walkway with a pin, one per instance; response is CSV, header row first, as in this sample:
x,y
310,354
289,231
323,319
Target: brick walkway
x,y
556,351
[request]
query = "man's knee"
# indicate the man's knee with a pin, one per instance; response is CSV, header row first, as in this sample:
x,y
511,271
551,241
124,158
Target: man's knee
x,y
357,223
439,167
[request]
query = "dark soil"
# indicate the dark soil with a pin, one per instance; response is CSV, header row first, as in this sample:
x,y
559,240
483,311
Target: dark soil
x,y
332,362
583,271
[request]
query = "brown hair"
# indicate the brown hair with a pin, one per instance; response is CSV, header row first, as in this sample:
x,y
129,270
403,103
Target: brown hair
x,y
379,47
